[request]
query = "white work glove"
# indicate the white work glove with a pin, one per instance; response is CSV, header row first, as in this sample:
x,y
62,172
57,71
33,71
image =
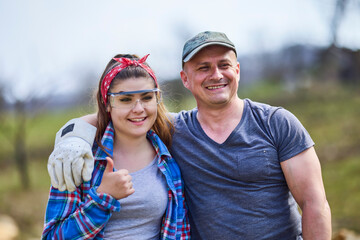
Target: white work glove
x,y
72,160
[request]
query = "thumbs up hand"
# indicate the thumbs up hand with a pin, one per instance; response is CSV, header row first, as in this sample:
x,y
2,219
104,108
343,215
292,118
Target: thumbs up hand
x,y
118,184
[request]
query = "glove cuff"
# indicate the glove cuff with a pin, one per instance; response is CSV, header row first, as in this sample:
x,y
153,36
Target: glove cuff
x,y
77,128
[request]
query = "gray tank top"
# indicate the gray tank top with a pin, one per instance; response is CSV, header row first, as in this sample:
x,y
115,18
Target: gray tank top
x,y
141,213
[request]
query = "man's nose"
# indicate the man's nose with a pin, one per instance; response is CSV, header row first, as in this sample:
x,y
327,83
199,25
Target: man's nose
x,y
216,74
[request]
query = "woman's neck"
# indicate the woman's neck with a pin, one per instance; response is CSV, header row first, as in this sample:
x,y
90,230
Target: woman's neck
x,y
128,145
132,154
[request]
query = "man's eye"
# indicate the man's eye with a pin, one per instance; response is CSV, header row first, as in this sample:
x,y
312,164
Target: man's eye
x,y
225,65
203,68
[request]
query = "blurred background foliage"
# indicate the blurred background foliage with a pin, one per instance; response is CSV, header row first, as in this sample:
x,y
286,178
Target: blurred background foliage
x,y
330,112
320,85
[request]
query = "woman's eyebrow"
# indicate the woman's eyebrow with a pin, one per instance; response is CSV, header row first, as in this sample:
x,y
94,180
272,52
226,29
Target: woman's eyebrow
x,y
132,94
129,95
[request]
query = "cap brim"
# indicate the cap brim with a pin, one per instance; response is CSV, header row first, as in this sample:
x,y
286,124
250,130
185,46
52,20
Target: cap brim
x,y
196,50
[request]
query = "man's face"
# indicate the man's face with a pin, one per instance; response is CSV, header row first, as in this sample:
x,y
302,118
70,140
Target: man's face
x,y
212,76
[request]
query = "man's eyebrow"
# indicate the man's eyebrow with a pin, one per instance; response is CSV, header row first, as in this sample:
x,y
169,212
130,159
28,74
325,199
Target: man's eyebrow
x,y
202,63
225,60
207,62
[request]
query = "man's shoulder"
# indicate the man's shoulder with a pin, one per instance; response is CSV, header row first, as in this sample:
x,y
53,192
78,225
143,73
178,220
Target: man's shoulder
x,y
184,115
259,105
272,116
263,110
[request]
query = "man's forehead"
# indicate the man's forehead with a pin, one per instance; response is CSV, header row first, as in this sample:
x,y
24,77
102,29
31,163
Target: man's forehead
x,y
214,49
214,54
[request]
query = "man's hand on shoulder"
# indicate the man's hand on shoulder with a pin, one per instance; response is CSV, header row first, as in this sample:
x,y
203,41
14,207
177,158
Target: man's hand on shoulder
x,y
71,161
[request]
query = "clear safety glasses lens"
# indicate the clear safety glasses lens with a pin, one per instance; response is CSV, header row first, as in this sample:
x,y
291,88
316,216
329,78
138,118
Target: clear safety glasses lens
x,y
128,100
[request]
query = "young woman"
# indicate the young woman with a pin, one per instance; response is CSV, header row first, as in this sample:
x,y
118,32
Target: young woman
x,y
136,189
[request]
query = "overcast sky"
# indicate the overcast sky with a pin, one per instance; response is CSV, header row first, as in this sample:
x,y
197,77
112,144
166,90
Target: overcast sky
x,y
47,45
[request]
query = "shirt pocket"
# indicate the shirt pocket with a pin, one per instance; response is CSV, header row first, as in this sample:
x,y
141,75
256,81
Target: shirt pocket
x,y
253,167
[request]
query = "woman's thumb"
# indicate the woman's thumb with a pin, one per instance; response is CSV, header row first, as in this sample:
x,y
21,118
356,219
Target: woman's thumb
x,y
109,165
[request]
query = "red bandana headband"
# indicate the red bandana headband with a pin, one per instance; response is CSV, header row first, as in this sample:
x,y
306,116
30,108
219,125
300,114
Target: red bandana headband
x,y
125,62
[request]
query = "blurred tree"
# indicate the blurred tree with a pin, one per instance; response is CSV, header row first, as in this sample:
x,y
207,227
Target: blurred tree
x,y
20,143
338,64
15,116
16,133
5,127
338,16
19,111
2,105
333,53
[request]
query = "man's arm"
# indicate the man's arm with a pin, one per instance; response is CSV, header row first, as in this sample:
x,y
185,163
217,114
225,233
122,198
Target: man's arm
x,y
303,176
90,118
71,161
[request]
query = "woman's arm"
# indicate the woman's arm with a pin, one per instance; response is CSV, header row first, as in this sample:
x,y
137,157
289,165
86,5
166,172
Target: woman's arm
x,y
68,216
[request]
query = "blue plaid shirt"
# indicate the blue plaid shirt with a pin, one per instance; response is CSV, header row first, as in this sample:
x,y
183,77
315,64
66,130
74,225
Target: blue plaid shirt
x,y
83,214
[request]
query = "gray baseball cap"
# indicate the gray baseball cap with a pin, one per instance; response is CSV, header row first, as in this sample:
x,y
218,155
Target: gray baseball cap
x,y
204,39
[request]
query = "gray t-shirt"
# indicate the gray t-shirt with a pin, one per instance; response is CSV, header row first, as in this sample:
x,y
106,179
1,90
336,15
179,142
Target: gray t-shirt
x,y
237,190
141,212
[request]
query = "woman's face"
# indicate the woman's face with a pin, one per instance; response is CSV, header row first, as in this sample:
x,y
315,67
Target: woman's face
x,y
133,114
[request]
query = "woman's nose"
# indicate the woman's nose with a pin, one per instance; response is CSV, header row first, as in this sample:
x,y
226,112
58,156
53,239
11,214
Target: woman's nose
x,y
138,106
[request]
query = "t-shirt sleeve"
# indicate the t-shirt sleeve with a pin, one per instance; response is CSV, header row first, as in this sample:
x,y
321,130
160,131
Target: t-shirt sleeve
x,y
290,136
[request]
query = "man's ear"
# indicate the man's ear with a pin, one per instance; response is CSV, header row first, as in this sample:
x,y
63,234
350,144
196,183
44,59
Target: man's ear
x,y
184,79
238,70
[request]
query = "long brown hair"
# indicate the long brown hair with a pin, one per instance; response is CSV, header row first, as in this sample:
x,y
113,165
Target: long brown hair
x,y
163,126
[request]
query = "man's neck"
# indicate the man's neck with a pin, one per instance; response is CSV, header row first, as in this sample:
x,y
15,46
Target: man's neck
x,y
218,123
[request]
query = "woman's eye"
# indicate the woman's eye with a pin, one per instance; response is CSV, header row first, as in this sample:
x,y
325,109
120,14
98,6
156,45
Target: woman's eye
x,y
147,98
125,100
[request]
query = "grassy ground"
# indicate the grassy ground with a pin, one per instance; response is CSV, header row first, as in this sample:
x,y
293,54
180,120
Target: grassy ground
x,y
27,207
342,183
330,115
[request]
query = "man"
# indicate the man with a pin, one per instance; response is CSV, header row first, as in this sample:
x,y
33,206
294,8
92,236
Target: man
x,y
245,165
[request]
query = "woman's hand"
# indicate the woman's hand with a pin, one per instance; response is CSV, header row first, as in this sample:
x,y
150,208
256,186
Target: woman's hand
x,y
118,184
